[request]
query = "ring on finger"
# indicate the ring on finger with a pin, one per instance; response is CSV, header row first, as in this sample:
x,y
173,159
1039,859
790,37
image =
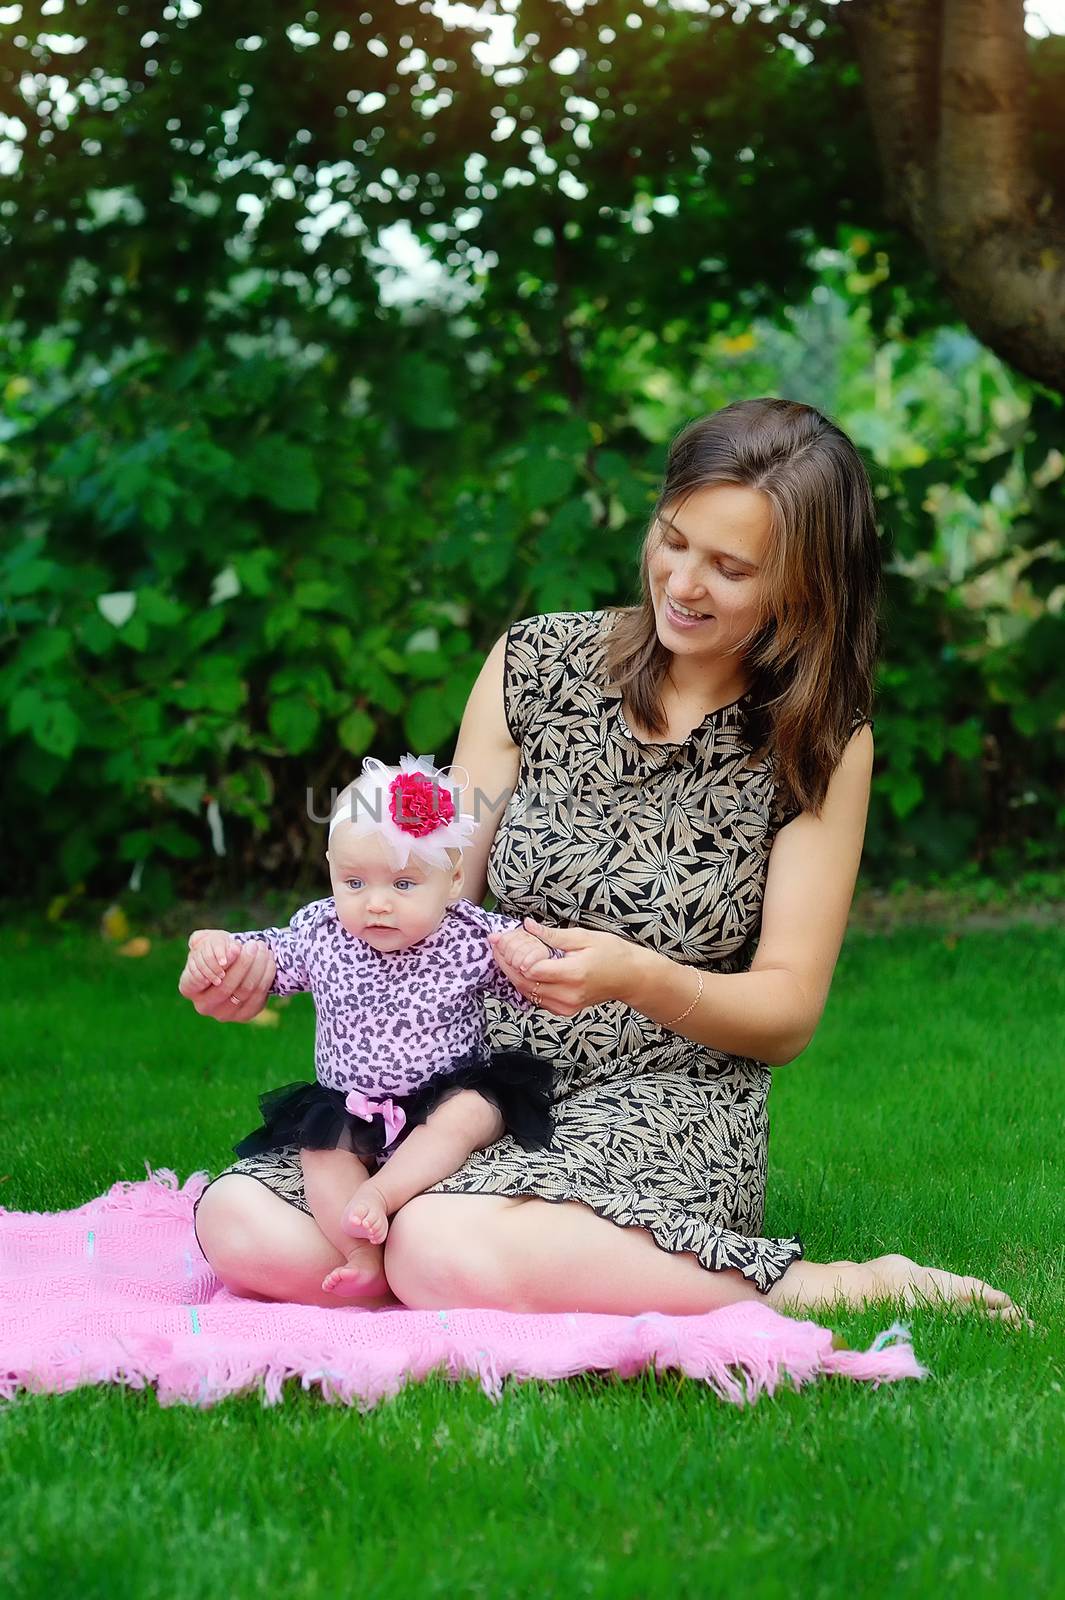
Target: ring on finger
x,y
234,999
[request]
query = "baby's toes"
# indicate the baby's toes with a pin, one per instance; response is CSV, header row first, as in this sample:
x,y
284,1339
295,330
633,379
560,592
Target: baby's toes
x,y
378,1229
368,1222
338,1280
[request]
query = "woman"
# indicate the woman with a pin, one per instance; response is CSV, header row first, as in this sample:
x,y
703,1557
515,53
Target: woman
x,y
688,783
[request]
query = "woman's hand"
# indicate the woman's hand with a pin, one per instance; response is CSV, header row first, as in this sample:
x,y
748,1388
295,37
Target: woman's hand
x,y
243,990
593,967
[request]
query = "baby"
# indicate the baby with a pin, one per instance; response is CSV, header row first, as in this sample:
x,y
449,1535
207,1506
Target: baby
x,y
397,962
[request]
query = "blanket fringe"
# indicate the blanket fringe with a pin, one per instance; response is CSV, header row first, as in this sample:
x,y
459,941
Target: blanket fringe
x,y
162,1195
364,1378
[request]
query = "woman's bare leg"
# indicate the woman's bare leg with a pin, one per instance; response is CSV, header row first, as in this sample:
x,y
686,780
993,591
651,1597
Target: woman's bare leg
x,y
330,1178
264,1249
463,1122
517,1254
810,1285
534,1255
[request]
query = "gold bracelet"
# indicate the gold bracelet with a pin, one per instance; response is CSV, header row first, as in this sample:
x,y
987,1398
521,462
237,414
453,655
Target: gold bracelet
x,y
693,1005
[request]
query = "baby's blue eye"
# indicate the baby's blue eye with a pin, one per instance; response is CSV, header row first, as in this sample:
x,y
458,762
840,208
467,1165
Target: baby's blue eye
x,y
353,883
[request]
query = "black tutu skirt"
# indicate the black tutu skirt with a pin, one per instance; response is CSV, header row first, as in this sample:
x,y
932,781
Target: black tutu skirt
x,y
314,1117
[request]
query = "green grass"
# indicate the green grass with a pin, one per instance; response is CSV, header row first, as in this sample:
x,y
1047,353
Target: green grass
x,y
926,1117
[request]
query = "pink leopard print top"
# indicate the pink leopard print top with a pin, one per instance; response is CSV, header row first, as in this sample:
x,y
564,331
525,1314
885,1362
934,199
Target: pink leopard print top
x,y
388,1021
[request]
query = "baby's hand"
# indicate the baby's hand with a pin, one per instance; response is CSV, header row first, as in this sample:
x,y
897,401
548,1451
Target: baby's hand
x,y
519,948
210,952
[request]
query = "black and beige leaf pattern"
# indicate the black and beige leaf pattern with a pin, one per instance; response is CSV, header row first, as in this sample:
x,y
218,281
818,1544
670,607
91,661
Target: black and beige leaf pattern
x,y
666,845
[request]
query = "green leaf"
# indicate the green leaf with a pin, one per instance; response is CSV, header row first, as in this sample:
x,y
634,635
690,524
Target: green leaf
x,y
428,721
315,595
280,620
355,731
137,845
254,568
203,626
373,682
158,609
283,473
423,393
135,634
223,695
77,856
176,842
905,792
56,729
541,480
96,634
294,723
45,648
24,708
30,577
39,770
427,666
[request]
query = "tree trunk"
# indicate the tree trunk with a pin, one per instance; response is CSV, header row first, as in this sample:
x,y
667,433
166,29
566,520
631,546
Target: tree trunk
x,y
946,83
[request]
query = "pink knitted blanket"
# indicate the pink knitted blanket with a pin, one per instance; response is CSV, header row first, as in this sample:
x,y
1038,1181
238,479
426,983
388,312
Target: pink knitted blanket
x,y
116,1291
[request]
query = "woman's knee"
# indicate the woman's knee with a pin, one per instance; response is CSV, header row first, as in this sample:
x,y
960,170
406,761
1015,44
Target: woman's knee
x,y
232,1231
435,1256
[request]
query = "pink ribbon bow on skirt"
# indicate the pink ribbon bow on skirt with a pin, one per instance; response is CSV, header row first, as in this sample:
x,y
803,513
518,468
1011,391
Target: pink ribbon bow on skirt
x,y
364,1106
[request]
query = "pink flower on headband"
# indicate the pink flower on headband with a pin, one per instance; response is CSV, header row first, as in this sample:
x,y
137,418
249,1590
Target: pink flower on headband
x,y
418,805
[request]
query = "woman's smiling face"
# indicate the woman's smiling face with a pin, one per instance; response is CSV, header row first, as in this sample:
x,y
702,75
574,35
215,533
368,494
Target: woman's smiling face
x,y
706,554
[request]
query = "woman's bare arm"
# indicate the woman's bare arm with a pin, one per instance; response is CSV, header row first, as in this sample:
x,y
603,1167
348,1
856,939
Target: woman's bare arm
x,y
489,755
771,1012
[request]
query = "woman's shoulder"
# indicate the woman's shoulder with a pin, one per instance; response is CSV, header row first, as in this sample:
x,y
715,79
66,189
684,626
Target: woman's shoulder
x,y
558,628
548,657
568,643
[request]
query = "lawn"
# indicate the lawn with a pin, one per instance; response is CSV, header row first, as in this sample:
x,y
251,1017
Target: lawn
x,y
926,1117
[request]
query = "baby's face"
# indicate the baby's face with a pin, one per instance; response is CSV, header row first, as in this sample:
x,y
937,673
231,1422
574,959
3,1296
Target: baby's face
x,y
388,907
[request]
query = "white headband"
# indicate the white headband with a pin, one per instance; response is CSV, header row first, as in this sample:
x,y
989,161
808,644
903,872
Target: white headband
x,y
429,820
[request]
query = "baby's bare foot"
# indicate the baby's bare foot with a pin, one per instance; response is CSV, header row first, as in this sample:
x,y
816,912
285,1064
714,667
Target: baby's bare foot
x,y
361,1274
367,1214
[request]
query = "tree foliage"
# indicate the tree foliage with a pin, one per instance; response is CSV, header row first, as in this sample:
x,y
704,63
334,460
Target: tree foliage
x,y
262,514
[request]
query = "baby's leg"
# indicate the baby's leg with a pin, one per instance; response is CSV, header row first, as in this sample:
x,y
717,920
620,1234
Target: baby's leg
x,y
466,1121
330,1178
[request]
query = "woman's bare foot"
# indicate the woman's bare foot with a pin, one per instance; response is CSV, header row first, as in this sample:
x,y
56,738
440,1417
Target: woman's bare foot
x,y
808,1284
361,1274
367,1214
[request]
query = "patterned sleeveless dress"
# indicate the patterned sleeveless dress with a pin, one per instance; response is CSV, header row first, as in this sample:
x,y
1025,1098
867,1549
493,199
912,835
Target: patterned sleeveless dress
x,y
664,844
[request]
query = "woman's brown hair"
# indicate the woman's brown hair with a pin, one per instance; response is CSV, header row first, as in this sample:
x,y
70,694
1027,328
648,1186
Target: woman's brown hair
x,y
813,654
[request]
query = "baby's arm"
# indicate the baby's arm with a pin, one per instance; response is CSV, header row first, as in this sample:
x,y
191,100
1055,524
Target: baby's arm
x,y
520,948
288,947
514,949
211,950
